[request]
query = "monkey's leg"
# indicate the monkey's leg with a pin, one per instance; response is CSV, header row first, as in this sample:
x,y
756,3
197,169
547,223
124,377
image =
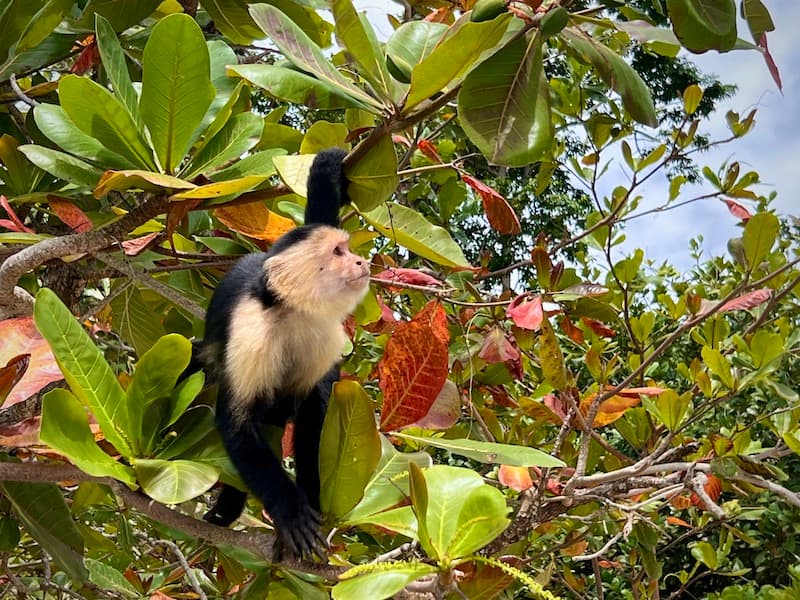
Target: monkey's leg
x,y
229,505
307,433
296,522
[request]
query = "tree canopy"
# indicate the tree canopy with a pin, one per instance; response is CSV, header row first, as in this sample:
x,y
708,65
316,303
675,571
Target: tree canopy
x,y
525,411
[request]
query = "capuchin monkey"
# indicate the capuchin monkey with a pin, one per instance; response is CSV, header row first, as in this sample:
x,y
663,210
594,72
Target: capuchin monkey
x,y
274,336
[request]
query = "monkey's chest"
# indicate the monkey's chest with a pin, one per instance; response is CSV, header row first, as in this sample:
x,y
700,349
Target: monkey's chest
x,y
272,351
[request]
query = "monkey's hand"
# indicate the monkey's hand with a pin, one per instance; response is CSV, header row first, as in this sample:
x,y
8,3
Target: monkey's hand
x,y
297,532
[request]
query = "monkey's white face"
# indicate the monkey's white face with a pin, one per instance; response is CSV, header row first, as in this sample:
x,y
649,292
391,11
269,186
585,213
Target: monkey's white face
x,y
320,275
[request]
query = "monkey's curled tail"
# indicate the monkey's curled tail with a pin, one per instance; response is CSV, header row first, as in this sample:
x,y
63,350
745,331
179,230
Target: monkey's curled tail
x,y
327,188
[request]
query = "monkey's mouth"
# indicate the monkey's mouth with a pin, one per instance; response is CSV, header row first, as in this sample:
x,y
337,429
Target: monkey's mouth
x,y
355,281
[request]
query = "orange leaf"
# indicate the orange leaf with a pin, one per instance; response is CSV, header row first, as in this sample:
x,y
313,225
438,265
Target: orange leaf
x,y
517,478
255,220
677,521
748,300
429,150
413,368
713,488
137,245
681,502
598,327
526,311
501,216
611,409
176,213
20,336
70,214
571,331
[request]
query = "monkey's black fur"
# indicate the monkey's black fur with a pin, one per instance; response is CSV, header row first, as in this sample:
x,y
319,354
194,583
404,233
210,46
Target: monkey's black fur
x,y
240,416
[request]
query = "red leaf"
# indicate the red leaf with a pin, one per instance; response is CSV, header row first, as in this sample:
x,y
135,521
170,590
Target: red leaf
x,y
137,245
501,216
70,214
12,373
445,410
517,478
712,487
413,368
17,224
429,150
497,347
20,336
88,57
598,327
677,521
557,406
748,300
287,441
773,68
737,210
410,276
526,311
571,331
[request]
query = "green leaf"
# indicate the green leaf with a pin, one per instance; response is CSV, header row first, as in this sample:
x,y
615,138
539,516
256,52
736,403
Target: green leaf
x,y
134,320
373,179
691,98
616,73
357,36
121,15
759,236
37,26
551,357
410,44
56,125
408,228
176,87
233,20
84,367
418,492
183,395
703,25
144,180
296,87
62,165
490,452
41,509
96,112
504,105
349,448
174,481
238,136
481,519
65,428
257,163
705,553
382,581
153,380
324,134
304,53
718,365
107,578
673,408
388,486
457,53
758,18
114,62
231,188
195,426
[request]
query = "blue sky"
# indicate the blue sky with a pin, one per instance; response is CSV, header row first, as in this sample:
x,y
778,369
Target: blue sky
x,y
772,148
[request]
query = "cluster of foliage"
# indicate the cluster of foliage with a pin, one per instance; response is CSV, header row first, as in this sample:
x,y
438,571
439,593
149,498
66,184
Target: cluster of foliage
x,y
597,426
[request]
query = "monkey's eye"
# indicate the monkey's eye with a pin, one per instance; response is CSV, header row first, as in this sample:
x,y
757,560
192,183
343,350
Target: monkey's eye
x,y
338,251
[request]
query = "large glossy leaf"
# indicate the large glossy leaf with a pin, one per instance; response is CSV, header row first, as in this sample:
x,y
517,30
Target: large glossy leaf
x,y
114,62
176,87
504,105
616,73
41,509
65,428
62,165
490,452
234,187
304,53
99,114
175,481
239,135
703,25
108,579
410,44
154,379
296,87
383,581
450,61
134,320
143,180
56,125
51,50
356,34
481,519
388,486
26,23
121,14
349,448
373,179
410,229
195,426
233,20
84,367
